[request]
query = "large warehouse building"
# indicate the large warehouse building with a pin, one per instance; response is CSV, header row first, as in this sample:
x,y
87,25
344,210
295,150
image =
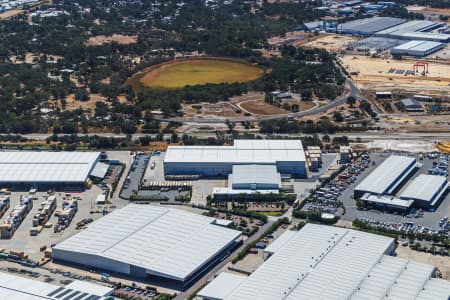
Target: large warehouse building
x,y
368,26
387,177
418,48
287,155
19,288
425,190
250,179
67,170
166,246
325,262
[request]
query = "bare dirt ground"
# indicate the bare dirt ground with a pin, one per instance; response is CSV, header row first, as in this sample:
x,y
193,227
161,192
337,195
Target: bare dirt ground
x,y
11,13
72,103
206,110
441,262
30,57
331,42
418,122
253,103
430,10
374,75
117,38
292,37
261,108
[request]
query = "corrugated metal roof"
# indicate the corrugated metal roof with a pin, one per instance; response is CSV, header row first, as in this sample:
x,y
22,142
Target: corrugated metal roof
x,y
324,262
370,25
424,187
19,288
418,46
408,27
100,170
380,180
387,200
255,174
46,166
435,289
221,286
164,240
280,241
299,258
243,151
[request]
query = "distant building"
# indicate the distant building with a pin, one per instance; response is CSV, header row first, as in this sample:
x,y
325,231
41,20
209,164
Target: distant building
x,y
418,48
387,177
411,105
218,161
425,190
383,95
55,170
345,154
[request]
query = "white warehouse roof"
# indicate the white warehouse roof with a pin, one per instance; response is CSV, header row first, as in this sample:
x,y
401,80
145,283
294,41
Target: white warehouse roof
x,y
243,151
418,46
325,262
221,286
425,187
19,288
161,240
25,166
255,174
383,178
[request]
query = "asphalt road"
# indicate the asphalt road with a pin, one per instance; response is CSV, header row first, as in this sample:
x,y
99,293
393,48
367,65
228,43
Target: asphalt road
x,y
354,91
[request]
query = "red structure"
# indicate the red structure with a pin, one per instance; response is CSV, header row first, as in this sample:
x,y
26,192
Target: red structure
x,y
420,64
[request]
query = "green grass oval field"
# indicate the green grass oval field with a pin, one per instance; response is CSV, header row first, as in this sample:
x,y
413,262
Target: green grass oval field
x,y
197,72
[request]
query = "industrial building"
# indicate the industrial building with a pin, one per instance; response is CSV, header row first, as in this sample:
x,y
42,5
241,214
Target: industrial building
x,y
217,161
20,288
250,179
368,26
415,30
425,190
387,177
165,246
417,48
325,262
66,170
411,105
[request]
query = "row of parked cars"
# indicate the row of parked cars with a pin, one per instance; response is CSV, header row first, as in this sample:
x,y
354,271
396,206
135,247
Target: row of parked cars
x,y
327,197
140,293
408,226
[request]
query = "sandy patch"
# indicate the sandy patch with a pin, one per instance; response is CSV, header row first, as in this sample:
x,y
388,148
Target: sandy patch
x,y
117,38
373,74
441,262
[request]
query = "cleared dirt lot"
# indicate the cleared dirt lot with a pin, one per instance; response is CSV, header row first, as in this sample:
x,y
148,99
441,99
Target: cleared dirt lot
x,y
331,42
374,75
116,38
11,13
72,103
261,108
441,262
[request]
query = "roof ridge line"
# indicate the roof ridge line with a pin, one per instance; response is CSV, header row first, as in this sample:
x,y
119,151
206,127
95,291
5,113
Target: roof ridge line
x,y
137,229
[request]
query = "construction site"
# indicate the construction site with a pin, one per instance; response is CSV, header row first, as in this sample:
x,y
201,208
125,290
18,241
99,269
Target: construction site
x,y
407,75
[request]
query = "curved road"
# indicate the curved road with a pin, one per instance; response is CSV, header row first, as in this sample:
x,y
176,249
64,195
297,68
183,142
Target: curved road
x,y
354,91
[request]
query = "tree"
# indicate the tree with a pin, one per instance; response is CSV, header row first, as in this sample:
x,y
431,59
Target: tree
x,y
351,101
82,95
230,126
337,117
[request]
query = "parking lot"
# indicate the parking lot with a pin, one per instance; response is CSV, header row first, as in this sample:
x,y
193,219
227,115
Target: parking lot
x,y
429,219
134,177
31,244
